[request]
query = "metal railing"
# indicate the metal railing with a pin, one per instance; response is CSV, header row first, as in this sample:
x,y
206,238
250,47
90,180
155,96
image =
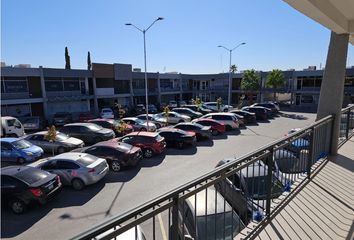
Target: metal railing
x,y
346,129
238,193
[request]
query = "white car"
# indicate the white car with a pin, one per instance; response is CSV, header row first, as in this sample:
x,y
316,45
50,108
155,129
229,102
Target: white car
x,y
214,106
107,113
172,104
173,117
229,119
140,125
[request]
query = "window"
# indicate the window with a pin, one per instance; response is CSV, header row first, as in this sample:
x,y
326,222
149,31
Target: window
x,y
5,146
53,85
62,164
16,86
71,85
49,165
37,138
94,151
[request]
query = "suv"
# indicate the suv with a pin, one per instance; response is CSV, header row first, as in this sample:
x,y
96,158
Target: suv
x,y
88,132
150,142
229,119
62,118
200,109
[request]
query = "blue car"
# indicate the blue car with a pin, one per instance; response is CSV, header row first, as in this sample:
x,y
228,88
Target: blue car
x,y
19,150
298,145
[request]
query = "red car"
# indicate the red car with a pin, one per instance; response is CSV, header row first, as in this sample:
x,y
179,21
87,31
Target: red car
x,y
85,116
216,126
150,142
112,124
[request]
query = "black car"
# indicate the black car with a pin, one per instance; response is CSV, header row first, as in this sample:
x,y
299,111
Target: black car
x,y
88,132
201,109
200,131
261,112
139,109
187,111
177,138
22,185
274,109
248,117
62,118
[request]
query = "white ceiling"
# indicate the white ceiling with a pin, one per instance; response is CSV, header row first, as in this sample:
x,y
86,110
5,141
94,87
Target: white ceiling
x,y
336,15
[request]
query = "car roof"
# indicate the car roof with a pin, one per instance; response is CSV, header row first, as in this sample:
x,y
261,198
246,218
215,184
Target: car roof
x,y
221,113
79,124
12,170
110,143
143,133
69,155
100,120
130,118
9,140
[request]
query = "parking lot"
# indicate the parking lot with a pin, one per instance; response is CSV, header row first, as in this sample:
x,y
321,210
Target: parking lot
x,y
75,211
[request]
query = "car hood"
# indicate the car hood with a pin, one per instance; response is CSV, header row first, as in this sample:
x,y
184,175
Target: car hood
x,y
150,124
73,141
33,149
105,131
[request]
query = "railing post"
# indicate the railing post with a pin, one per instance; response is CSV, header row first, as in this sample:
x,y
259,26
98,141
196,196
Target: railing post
x,y
174,227
347,129
310,155
270,164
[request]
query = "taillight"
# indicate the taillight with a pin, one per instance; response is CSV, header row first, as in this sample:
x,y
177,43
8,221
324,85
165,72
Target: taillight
x,y
91,170
36,192
58,180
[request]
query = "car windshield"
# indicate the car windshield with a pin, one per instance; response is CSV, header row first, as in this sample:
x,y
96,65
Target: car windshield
x,y
258,190
139,121
21,144
31,175
95,127
87,160
219,226
61,137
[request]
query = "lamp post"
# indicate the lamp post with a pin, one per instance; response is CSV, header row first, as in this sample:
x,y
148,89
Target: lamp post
x,y
146,81
230,83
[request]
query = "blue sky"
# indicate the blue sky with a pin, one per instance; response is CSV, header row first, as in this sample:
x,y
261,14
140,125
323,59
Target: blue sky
x,y
276,35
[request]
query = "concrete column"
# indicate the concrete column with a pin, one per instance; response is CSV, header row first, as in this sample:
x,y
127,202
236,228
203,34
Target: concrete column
x,y
95,102
332,87
44,93
158,88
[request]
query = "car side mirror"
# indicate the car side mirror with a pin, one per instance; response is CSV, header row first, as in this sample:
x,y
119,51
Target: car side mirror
x,y
188,237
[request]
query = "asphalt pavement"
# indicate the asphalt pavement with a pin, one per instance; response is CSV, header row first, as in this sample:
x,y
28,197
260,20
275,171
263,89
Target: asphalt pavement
x,y
75,211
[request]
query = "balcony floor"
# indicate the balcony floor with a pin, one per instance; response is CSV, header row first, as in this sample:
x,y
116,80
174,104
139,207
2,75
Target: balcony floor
x,y
324,208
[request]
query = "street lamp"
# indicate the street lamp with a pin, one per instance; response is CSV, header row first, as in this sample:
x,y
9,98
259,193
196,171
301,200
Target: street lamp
x,y
230,50
146,81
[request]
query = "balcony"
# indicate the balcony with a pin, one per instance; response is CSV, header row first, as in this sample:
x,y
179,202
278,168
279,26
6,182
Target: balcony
x,y
67,96
7,96
141,91
169,89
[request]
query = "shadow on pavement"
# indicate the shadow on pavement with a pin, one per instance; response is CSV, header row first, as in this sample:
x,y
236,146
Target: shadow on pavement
x,y
293,116
205,143
185,151
220,136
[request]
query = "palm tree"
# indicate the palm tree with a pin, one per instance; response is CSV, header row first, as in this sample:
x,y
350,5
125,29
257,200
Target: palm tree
x,y
233,68
250,83
275,79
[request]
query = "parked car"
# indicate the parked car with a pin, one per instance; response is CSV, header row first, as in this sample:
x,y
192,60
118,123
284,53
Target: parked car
x,y
229,119
248,117
139,125
206,214
62,118
134,233
75,169
117,154
23,185
88,132
19,150
172,104
107,113
261,112
182,103
177,138
150,142
274,109
200,109
31,124
173,117
201,132
188,112
152,108
159,122
139,109
216,126
214,107
12,127
298,145
85,116
62,143
114,125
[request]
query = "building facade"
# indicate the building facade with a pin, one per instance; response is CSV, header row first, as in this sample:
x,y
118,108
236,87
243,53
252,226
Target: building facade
x,y
45,91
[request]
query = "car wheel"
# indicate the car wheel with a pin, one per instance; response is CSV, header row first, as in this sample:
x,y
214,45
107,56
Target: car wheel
x,y
115,166
214,132
148,152
77,184
20,160
18,206
61,150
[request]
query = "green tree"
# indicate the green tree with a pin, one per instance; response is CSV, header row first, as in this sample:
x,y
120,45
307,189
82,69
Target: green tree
x,y
197,102
274,80
67,59
250,83
166,112
89,65
233,68
51,136
219,103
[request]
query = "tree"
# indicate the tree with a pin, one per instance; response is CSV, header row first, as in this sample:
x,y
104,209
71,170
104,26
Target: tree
x,y
166,112
250,83
51,136
121,128
233,68
89,65
274,80
219,103
197,102
67,59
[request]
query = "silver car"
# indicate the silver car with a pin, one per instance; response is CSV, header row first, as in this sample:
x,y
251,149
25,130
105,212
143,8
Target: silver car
x,y
75,169
62,143
139,125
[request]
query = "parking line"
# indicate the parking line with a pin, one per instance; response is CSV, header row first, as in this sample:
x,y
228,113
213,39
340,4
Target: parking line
x,y
163,232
